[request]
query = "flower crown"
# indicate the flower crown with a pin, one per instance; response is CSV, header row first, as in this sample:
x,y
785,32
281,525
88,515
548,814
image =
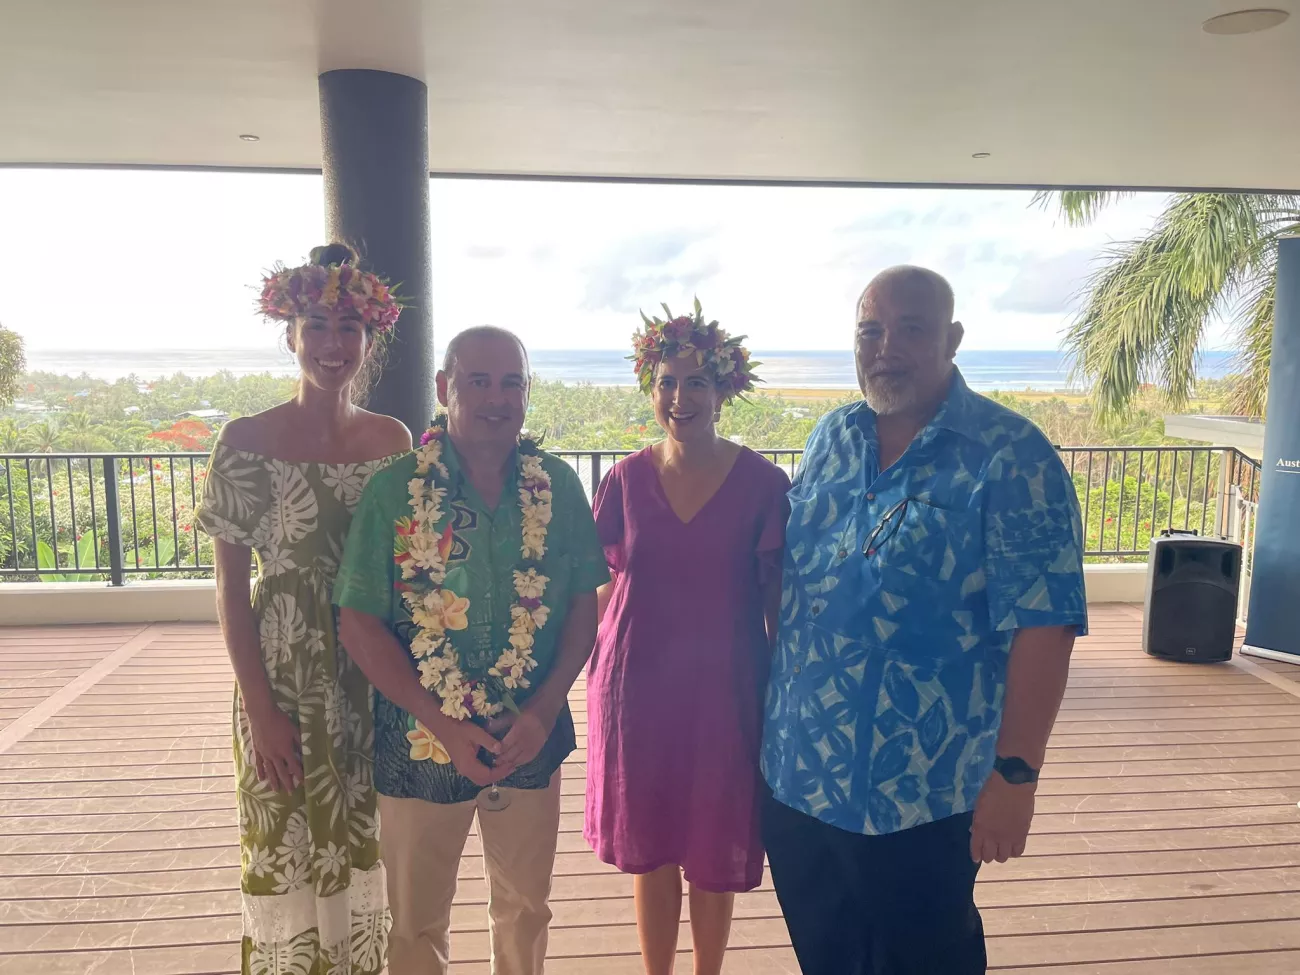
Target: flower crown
x,y
686,335
289,292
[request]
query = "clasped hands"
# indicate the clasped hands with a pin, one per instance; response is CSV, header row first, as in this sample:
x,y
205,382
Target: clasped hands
x,y
522,736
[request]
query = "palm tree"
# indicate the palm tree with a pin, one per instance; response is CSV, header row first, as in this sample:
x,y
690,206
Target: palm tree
x,y
1210,255
10,437
41,438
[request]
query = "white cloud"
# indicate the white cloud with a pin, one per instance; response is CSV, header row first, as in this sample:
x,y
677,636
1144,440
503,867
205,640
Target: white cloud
x,y
1047,285
170,260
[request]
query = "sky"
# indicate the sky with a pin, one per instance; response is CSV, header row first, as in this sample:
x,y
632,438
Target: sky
x,y
96,259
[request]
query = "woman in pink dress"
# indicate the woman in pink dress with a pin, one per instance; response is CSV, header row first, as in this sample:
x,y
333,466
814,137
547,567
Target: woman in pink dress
x,y
693,530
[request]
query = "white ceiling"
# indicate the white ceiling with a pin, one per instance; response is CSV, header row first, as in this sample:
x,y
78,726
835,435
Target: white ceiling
x,y
1110,92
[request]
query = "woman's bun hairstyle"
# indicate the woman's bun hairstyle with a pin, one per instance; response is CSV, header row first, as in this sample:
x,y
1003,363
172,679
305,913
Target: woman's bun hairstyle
x,y
329,255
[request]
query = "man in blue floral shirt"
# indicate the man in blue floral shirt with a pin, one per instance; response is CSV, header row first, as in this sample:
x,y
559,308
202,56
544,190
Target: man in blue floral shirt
x,y
933,592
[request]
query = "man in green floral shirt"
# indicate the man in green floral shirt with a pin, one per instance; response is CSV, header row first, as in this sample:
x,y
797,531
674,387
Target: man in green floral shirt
x,y
467,594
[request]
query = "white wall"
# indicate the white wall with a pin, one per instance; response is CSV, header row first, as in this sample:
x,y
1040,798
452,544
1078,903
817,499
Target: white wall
x,y
42,604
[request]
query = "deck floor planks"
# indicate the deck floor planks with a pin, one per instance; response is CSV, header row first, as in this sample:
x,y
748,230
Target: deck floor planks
x,y
1167,837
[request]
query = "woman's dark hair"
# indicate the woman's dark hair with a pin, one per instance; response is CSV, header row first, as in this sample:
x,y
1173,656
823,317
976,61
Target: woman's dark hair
x,y
335,253
339,253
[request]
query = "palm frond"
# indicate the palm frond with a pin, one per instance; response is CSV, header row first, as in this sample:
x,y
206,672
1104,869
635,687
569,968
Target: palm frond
x,y
1279,214
1148,306
1079,207
1249,393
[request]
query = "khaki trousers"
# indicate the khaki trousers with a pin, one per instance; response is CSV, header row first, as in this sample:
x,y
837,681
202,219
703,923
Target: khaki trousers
x,y
422,843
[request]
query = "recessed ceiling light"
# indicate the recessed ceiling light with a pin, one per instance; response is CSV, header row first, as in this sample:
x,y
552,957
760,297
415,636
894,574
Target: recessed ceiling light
x,y
980,155
1245,21
251,138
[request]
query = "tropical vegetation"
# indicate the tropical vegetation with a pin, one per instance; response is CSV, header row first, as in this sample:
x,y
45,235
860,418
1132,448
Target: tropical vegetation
x,y
66,414
54,509
1148,305
12,363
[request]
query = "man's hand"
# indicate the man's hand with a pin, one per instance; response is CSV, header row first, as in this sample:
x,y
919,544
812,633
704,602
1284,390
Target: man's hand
x,y
1003,813
526,733
463,739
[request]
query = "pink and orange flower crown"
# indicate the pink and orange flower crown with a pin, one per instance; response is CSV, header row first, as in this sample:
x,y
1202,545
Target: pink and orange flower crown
x,y
690,335
290,292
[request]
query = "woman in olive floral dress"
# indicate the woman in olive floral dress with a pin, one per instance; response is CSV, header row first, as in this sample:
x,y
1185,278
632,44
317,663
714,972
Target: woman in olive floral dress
x,y
281,487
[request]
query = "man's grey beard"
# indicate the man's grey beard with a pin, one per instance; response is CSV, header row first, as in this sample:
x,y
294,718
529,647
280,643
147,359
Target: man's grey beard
x,y
886,397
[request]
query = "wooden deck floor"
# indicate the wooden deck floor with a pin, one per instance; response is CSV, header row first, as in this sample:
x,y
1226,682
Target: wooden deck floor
x,y
1167,836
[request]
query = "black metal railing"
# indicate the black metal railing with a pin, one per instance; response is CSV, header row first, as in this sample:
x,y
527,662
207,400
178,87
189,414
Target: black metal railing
x,y
593,465
101,516
1129,495
111,517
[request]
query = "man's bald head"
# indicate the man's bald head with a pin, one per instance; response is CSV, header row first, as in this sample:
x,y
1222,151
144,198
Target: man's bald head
x,y
477,334
906,341
914,281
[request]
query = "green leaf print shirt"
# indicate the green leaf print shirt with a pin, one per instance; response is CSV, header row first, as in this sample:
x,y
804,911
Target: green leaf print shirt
x,y
485,552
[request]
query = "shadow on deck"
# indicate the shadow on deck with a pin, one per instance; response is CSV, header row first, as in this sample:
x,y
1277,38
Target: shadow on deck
x,y
1167,837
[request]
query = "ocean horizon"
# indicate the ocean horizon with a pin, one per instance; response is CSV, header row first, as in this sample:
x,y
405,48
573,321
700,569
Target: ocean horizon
x,y
983,369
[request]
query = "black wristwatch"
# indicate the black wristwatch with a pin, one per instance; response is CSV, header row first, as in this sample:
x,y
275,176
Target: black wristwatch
x,y
1015,770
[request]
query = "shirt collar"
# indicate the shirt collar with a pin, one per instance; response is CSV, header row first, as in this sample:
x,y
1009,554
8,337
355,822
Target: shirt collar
x,y
959,412
956,413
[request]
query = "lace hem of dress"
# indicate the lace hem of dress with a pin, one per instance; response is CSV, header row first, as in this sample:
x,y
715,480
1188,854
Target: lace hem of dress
x,y
276,918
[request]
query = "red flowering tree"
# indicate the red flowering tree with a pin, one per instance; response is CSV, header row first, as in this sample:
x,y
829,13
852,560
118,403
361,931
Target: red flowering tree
x,y
185,435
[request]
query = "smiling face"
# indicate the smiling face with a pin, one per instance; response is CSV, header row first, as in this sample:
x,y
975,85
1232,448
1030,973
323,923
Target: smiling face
x,y
906,341
331,346
485,391
686,399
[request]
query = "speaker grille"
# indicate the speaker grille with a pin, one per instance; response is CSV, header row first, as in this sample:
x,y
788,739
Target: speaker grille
x,y
1191,621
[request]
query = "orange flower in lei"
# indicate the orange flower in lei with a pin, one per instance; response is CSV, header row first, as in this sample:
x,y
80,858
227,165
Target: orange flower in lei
x,y
421,549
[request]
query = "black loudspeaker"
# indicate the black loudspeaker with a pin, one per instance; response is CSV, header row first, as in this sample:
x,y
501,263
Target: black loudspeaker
x,y
1191,604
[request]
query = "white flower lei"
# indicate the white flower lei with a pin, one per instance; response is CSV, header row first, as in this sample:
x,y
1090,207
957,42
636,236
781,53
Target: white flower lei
x,y
421,554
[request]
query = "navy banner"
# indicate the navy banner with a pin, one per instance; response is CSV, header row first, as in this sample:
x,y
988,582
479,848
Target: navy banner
x,y
1273,623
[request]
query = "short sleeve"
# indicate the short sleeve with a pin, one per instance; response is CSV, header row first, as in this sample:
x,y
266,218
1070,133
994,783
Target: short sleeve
x,y
585,553
776,512
1034,542
236,494
609,517
366,574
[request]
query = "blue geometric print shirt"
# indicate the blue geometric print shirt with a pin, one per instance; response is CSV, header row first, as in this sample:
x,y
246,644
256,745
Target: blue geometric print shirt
x,y
902,592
